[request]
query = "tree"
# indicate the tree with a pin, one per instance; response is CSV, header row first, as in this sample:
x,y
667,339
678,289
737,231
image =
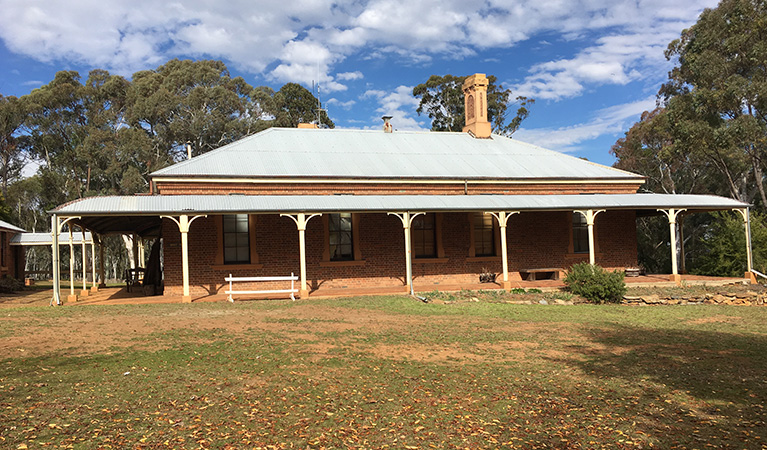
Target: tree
x,y
12,158
725,248
441,98
709,134
80,134
649,148
716,96
294,104
191,101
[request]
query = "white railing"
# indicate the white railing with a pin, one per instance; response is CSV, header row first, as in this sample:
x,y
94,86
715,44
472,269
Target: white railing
x,y
759,273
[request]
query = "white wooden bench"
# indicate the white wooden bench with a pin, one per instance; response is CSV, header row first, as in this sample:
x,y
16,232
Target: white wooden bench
x,y
292,278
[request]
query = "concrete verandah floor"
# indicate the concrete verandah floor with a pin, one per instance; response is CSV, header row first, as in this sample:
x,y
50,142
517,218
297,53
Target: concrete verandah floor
x,y
118,296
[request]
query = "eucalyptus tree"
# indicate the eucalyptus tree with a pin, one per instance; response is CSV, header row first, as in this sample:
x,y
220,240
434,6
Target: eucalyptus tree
x,y
12,154
716,96
191,101
709,134
294,104
82,140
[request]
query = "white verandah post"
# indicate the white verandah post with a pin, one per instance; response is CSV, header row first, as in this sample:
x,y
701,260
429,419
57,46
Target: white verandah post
x,y
672,216
55,260
746,213
407,221
94,286
301,220
184,222
56,226
503,218
84,292
72,297
102,278
590,215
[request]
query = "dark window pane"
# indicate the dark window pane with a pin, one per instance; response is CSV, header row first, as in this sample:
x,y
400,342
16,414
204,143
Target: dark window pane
x,y
236,239
424,236
484,235
340,237
580,234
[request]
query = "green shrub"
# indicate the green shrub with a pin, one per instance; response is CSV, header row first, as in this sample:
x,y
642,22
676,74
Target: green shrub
x,y
518,291
10,285
595,284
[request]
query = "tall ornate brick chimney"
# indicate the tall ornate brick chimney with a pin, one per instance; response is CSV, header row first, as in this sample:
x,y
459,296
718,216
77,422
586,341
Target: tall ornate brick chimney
x,y
475,103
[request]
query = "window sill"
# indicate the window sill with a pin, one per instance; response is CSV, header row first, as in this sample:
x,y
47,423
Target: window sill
x,y
430,260
483,259
342,263
225,267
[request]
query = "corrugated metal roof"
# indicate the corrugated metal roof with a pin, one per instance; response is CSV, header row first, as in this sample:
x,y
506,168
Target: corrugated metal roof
x,y
226,204
344,153
10,227
29,239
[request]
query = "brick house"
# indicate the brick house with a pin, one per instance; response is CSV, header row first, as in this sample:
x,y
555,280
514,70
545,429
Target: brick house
x,y
11,257
379,209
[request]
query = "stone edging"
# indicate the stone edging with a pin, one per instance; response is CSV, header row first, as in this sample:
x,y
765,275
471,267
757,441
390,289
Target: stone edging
x,y
720,298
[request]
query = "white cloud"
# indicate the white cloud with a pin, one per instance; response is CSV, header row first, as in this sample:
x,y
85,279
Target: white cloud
x,y
343,105
400,104
612,120
349,76
304,40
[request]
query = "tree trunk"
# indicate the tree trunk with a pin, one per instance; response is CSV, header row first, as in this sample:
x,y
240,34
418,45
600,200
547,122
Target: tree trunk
x,y
128,242
758,177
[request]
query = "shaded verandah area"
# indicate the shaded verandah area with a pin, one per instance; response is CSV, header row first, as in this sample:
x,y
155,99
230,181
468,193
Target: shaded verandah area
x,y
146,212
74,239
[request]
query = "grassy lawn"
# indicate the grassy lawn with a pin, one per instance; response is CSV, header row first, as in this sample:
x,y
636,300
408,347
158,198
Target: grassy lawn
x,y
378,372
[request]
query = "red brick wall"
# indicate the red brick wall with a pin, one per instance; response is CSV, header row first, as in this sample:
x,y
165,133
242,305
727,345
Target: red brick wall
x,y
425,188
535,240
12,257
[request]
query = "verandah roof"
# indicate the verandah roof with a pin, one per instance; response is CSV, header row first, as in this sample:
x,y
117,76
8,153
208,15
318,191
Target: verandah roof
x,y
121,213
40,239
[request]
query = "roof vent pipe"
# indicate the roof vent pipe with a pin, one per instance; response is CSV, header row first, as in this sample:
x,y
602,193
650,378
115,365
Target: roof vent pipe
x,y
387,124
188,150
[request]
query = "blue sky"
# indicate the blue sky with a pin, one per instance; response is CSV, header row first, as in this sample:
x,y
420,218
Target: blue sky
x,y
593,66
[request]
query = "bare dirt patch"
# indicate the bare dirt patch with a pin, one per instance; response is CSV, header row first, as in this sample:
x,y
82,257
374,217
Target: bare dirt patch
x,y
714,319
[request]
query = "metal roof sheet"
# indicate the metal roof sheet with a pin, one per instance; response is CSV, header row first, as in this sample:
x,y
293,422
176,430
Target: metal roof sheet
x,y
345,153
30,239
227,204
10,227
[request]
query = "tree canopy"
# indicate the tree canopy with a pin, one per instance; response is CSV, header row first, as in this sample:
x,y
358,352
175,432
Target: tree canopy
x,y
709,132
105,134
441,98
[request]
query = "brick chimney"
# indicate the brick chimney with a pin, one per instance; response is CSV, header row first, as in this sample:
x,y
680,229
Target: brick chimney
x,y
475,102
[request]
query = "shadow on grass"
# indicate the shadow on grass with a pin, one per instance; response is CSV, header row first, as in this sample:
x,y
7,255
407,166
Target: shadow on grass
x,y
694,386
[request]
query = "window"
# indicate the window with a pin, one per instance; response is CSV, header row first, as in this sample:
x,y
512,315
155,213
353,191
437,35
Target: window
x,y
2,248
340,237
424,236
484,235
236,239
580,234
